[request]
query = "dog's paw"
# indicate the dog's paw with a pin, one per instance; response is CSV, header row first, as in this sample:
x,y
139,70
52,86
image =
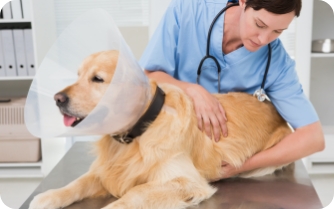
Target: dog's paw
x,y
46,200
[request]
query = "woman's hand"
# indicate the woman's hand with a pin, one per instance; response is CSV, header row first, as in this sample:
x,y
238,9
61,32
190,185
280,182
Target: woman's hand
x,y
228,170
208,110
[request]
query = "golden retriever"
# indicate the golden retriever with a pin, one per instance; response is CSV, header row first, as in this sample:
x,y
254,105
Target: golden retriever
x,y
170,164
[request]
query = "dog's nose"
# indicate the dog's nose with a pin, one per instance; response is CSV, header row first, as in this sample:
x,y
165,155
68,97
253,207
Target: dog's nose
x,y
61,99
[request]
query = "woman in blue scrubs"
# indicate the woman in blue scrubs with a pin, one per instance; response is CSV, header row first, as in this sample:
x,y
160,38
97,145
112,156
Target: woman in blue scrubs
x,y
239,42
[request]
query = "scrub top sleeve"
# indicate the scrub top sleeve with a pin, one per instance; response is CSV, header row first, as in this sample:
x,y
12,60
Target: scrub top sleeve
x,y
287,95
160,54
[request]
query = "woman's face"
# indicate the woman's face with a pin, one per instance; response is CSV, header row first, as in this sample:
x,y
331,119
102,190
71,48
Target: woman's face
x,y
258,28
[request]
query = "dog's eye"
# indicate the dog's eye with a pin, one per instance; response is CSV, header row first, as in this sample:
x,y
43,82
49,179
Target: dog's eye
x,y
97,79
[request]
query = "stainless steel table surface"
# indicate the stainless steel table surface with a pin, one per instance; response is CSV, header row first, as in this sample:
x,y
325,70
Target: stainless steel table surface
x,y
288,189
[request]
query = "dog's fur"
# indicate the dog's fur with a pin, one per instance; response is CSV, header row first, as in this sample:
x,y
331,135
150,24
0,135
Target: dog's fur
x,y
170,165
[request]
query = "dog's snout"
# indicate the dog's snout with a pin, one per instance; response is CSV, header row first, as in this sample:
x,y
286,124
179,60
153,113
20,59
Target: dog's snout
x,y
61,99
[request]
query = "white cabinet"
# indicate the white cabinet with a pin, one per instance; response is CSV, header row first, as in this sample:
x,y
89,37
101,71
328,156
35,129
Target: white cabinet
x,y
41,21
317,77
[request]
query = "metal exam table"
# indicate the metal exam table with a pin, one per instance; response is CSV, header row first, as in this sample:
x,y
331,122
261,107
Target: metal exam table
x,y
288,189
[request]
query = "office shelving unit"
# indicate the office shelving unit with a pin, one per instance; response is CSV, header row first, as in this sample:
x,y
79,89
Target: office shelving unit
x,y
42,23
322,86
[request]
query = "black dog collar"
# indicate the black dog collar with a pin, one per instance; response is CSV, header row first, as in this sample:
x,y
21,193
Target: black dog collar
x,y
150,115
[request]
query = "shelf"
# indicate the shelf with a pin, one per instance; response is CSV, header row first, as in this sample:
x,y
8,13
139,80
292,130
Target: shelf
x,y
21,170
13,172
321,166
18,78
322,55
15,24
14,21
8,165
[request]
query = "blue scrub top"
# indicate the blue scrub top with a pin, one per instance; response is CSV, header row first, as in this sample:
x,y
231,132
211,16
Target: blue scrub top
x,y
179,44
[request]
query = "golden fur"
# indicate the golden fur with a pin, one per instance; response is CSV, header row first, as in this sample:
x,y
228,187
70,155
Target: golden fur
x,y
170,165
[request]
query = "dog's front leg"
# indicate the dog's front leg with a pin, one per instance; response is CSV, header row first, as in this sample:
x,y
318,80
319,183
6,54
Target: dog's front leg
x,y
174,194
85,186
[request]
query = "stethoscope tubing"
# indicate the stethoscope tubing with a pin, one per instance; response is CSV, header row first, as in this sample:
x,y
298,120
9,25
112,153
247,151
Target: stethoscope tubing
x,y
208,56
267,67
212,24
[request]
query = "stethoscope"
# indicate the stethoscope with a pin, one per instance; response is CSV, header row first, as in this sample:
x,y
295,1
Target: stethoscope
x,y
260,93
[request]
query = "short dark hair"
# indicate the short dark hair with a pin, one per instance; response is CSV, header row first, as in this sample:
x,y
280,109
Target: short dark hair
x,y
276,6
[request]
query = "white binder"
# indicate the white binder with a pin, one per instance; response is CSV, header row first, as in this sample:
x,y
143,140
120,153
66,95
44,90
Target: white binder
x,y
9,53
16,9
7,11
29,47
2,62
26,9
19,47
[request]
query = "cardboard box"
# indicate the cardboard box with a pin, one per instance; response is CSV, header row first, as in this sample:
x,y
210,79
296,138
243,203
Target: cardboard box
x,y
16,142
16,151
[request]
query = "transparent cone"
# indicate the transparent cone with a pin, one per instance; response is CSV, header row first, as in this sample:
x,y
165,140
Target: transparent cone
x,y
124,100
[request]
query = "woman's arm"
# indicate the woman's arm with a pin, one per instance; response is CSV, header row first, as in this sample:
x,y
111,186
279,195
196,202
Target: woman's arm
x,y
301,143
162,77
208,110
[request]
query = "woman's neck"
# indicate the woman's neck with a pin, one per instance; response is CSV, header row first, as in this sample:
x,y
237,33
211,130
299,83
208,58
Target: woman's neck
x,y
231,40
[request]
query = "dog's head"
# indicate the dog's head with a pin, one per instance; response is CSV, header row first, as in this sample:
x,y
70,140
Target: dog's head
x,y
75,102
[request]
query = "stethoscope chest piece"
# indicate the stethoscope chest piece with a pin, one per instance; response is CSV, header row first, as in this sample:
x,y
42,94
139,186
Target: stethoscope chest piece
x,y
261,95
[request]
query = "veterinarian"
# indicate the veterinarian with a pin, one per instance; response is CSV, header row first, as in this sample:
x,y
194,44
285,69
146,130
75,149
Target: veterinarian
x,y
239,42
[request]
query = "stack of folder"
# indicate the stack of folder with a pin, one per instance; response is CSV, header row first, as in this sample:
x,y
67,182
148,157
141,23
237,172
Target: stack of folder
x,y
16,53
16,10
16,44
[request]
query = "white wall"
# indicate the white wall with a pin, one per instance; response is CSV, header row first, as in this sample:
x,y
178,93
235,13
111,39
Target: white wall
x,y
323,21
44,27
322,69
303,45
157,10
136,37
